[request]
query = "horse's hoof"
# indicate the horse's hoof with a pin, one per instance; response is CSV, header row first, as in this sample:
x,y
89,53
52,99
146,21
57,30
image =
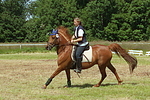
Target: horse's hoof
x,y
44,87
96,85
119,83
66,86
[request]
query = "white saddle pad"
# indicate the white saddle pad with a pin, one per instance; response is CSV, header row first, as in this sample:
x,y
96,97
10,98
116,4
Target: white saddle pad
x,y
87,55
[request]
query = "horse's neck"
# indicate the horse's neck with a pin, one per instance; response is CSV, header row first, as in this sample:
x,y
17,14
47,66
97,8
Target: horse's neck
x,y
65,37
59,50
64,49
64,43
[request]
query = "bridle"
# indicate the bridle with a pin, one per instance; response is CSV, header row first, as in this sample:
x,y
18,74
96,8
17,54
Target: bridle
x,y
51,45
55,32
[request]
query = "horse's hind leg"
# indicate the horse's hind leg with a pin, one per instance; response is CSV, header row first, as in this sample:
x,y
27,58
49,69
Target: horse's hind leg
x,y
110,66
103,73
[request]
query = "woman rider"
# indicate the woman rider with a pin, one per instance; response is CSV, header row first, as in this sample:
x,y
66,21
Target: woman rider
x,y
79,37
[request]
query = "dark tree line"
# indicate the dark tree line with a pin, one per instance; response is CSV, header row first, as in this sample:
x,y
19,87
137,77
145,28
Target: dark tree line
x,y
112,20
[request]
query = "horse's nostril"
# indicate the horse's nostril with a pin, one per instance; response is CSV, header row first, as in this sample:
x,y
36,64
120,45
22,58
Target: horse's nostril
x,y
46,47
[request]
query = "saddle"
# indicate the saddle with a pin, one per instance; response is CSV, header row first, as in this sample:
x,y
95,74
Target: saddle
x,y
87,54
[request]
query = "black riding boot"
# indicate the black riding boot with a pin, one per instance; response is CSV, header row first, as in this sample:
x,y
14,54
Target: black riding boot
x,y
78,65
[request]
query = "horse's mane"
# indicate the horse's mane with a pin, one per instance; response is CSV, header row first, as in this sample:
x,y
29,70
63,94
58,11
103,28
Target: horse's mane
x,y
64,31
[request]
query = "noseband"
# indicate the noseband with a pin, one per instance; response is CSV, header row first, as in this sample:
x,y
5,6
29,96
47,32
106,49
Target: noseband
x,y
51,45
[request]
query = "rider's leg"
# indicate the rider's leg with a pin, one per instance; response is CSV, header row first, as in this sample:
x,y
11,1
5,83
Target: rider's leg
x,y
78,65
79,51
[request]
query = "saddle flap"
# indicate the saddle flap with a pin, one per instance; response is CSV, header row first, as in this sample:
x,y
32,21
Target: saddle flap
x,y
87,55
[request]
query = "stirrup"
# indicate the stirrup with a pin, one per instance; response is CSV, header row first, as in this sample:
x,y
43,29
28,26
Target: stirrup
x,y
77,70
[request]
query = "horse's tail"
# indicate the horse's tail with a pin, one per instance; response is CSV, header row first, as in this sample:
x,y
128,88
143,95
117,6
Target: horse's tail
x,y
132,61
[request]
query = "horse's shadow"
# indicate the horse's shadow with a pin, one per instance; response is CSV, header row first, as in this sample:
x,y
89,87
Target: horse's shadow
x,y
86,85
82,86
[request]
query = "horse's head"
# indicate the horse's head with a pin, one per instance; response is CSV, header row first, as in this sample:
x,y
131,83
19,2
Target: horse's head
x,y
53,39
58,37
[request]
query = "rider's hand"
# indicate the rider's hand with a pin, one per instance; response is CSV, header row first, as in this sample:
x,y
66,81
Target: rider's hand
x,y
72,41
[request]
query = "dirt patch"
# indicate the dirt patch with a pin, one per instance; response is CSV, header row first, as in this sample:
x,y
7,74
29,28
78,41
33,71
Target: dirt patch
x,y
44,68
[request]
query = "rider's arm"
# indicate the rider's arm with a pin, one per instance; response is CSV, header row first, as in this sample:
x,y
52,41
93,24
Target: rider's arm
x,y
73,37
77,40
80,34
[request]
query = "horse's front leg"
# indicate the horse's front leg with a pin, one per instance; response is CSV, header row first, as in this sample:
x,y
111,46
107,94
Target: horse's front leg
x,y
58,70
68,78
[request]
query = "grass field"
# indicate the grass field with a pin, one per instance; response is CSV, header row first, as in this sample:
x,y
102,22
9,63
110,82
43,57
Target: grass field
x,y
22,76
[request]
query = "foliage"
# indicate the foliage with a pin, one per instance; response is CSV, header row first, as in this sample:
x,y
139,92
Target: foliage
x,y
130,23
12,18
112,20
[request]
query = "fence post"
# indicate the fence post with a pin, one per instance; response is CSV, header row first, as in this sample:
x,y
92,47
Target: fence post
x,y
20,46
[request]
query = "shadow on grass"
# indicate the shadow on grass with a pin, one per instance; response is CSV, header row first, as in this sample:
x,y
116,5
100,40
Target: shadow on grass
x,y
102,85
82,86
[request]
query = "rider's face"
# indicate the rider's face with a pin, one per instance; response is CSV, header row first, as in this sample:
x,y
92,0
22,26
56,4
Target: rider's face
x,y
76,23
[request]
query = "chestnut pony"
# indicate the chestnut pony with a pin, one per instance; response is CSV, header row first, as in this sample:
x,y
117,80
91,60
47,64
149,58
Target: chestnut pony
x,y
101,56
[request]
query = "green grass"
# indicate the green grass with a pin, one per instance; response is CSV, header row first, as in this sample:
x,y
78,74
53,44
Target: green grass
x,y
25,49
24,71
27,56
22,76
138,90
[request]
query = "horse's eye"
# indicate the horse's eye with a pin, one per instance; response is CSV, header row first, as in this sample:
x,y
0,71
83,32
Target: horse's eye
x,y
53,37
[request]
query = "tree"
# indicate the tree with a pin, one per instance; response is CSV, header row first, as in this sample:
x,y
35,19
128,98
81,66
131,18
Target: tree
x,y
131,21
112,20
12,18
97,15
139,19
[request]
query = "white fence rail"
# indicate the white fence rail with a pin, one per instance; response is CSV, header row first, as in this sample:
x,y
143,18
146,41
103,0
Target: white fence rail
x,y
20,45
147,53
136,52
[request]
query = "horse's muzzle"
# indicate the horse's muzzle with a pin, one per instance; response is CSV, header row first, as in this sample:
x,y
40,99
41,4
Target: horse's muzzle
x,y
49,47
46,48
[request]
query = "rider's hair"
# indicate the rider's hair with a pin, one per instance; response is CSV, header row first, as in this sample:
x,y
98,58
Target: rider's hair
x,y
78,20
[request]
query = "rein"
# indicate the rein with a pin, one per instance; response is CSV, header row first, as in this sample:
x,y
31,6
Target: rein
x,y
67,44
64,36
